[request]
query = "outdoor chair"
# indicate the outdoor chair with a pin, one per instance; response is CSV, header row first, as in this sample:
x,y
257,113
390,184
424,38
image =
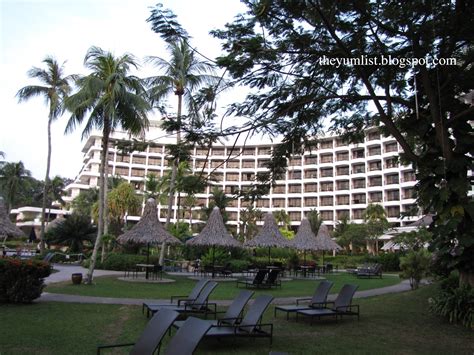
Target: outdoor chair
x,y
199,305
250,326
181,299
187,338
257,280
370,271
341,306
319,300
272,279
226,270
157,272
151,337
233,315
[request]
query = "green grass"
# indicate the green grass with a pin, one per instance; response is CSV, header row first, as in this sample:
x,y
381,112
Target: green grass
x,y
389,324
112,287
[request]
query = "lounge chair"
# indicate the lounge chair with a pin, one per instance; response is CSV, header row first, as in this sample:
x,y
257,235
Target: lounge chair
x,y
187,338
200,305
233,315
341,306
250,326
181,299
319,300
370,271
151,337
257,280
272,279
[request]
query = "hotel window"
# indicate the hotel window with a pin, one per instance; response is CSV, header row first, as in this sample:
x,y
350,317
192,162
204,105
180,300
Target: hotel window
x,y
326,158
233,164
263,163
166,162
409,176
358,183
375,181
311,187
139,160
121,171
340,142
248,164
201,151
342,200
248,151
232,176
154,161
391,163
326,201
341,156
311,202
391,147
375,151
111,156
295,216
264,151
342,170
326,144
232,216
138,172
327,215
123,158
408,193
217,164
358,168
201,164
217,151
358,154
279,202
373,136
392,195
294,202
391,179
279,189
358,213
248,176
311,159
311,174
358,198
245,203
311,146
342,214
393,211
375,197
217,177
263,202
157,149
201,202
294,175
232,190
342,185
295,161
233,203
327,186
293,189
375,165
327,172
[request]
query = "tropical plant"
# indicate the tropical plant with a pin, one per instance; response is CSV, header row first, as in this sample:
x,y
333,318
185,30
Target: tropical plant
x,y
122,201
376,224
217,199
110,98
152,186
282,218
73,232
55,88
12,179
248,222
414,240
350,235
314,220
415,266
82,204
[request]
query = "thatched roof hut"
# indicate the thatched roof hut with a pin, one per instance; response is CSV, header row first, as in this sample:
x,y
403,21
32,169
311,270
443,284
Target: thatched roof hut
x,y
148,230
305,239
269,235
214,233
7,228
55,222
324,240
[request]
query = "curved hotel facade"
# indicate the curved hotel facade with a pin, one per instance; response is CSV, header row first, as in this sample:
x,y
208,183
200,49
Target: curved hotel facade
x,y
335,178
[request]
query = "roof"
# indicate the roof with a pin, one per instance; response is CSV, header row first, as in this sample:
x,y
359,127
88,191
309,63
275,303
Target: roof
x,y
324,239
305,239
269,235
7,228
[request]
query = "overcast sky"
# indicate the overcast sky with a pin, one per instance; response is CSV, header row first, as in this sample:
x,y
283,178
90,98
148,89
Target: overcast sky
x,y
33,29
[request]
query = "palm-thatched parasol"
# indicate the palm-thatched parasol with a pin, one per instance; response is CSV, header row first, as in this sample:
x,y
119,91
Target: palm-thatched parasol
x,y
305,239
269,236
7,228
214,234
324,240
148,230
55,222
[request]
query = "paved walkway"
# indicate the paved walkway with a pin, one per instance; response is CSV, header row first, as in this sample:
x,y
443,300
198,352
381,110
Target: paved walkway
x,y
65,271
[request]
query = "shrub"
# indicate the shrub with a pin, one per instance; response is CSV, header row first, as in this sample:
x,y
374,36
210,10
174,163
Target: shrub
x,y
22,281
389,261
454,302
238,265
414,266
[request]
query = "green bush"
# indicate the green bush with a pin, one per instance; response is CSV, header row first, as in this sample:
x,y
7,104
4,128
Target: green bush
x,y
454,302
389,261
121,262
238,265
22,281
415,266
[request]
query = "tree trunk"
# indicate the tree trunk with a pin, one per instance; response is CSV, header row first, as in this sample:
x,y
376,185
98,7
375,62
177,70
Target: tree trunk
x,y
45,188
102,199
106,204
466,277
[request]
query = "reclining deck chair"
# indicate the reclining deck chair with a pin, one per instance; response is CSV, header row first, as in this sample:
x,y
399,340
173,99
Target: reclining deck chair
x,y
200,305
258,280
341,306
187,338
151,337
319,300
272,279
191,298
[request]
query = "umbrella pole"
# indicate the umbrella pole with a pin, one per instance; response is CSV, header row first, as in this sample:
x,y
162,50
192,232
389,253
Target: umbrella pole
x,y
269,258
147,259
213,261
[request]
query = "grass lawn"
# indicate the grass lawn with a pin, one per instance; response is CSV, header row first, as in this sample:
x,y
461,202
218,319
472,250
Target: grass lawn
x,y
112,287
389,324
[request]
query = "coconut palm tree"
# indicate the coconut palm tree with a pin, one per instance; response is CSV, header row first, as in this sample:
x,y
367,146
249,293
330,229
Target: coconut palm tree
x,y
55,88
110,98
375,219
12,177
183,74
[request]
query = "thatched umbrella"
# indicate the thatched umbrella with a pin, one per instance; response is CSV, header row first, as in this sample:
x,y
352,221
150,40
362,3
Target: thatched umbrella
x,y
7,228
214,234
324,240
305,239
55,222
148,230
269,236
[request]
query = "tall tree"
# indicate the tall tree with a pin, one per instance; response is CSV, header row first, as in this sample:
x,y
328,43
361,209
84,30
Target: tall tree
x,y
183,74
110,97
363,64
83,203
12,179
55,88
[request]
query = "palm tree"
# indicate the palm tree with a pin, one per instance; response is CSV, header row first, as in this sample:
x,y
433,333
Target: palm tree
x,y
12,177
72,232
110,98
183,74
375,219
55,88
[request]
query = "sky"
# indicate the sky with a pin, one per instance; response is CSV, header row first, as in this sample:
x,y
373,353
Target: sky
x,y
33,29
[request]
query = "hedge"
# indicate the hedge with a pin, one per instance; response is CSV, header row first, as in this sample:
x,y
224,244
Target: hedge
x,y
22,281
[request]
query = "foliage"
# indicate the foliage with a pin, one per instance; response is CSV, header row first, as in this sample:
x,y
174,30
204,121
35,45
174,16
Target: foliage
x,y
314,220
218,199
237,265
287,233
73,232
454,302
122,262
350,235
413,240
123,200
82,204
248,222
151,186
389,261
220,256
21,281
180,230
282,218
13,177
376,223
415,266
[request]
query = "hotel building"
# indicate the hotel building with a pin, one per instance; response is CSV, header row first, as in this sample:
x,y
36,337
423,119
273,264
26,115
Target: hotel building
x,y
335,178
